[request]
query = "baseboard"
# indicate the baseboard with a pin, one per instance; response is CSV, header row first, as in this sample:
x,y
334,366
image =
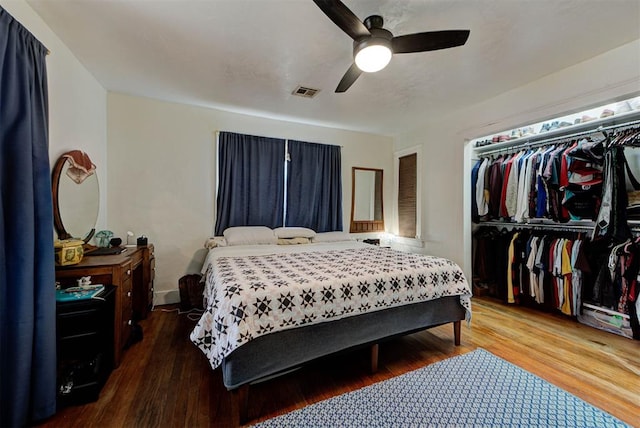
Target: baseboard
x,y
166,297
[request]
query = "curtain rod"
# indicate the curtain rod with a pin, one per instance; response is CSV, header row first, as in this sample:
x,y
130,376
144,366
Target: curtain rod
x,y
280,138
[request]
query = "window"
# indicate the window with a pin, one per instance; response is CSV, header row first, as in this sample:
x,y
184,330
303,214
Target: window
x,y
256,187
408,193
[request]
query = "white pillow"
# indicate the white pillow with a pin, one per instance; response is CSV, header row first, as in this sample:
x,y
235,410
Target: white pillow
x,y
294,232
332,237
216,241
250,235
293,241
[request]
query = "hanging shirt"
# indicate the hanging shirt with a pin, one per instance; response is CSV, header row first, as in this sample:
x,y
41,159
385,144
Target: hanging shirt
x,y
541,189
474,199
511,197
531,264
510,268
524,181
566,271
576,278
481,201
540,266
495,187
507,164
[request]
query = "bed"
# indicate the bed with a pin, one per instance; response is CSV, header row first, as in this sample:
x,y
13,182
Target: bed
x,y
270,308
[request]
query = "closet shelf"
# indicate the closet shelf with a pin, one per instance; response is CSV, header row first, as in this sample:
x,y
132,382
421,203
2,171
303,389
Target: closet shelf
x,y
578,130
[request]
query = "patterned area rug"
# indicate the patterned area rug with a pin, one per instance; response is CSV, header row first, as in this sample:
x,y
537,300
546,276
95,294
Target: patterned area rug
x,y
477,389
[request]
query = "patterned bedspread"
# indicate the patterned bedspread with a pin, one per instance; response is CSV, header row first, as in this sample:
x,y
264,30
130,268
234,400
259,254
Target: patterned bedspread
x,y
250,296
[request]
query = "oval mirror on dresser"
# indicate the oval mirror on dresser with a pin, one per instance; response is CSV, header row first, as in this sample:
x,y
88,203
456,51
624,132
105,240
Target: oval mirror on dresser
x,y
76,196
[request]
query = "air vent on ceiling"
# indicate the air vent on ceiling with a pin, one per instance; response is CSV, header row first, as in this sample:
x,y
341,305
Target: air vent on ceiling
x,y
303,91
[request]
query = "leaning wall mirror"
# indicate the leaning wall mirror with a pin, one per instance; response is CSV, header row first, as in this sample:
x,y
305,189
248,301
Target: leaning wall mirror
x,y
76,196
367,213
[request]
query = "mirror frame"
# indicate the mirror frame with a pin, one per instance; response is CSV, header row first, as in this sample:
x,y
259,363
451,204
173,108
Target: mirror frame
x,y
57,219
364,226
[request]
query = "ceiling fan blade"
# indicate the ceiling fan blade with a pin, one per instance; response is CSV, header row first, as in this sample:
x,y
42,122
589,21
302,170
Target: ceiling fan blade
x,y
429,41
343,18
349,77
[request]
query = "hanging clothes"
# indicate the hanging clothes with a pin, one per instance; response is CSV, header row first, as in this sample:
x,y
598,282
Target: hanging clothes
x,y
538,268
587,178
542,183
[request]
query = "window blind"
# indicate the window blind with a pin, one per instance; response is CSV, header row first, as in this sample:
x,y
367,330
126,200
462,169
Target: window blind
x,y
407,195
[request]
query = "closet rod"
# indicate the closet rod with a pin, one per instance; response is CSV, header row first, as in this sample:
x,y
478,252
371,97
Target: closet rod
x,y
587,225
543,142
542,226
621,126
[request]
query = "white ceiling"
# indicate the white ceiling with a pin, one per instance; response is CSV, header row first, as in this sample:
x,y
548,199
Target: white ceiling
x,y
248,55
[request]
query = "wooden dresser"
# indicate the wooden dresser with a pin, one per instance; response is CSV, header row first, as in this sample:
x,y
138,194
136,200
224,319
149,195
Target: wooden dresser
x,y
132,272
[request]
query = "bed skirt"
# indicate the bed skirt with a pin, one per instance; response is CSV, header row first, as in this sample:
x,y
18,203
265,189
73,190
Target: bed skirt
x,y
272,354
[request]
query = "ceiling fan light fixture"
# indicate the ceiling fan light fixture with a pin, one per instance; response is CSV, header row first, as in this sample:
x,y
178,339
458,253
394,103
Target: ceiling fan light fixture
x,y
373,55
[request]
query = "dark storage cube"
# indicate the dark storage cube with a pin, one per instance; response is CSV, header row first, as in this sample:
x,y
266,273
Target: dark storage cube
x,y
84,347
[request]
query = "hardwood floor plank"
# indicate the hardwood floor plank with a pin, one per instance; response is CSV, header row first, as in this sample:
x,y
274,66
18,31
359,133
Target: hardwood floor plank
x,y
166,381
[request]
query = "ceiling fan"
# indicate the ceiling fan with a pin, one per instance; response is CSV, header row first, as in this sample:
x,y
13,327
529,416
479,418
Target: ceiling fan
x,y
373,46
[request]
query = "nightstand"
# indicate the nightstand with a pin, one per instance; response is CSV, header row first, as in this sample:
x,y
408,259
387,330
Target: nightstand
x,y
84,347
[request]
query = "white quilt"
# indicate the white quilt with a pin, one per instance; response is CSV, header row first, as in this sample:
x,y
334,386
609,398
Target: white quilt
x,y
255,290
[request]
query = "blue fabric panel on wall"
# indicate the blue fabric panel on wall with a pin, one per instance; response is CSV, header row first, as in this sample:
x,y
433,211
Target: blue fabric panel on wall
x,y
27,273
314,186
251,181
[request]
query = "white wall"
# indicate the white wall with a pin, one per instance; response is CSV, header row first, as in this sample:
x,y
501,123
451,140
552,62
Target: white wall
x,y
77,102
162,174
446,223
161,161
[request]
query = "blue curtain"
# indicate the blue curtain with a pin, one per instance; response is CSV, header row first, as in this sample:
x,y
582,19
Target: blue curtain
x,y
314,186
27,273
250,181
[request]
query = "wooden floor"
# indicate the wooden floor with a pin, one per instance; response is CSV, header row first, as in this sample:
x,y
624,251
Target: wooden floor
x,y
165,381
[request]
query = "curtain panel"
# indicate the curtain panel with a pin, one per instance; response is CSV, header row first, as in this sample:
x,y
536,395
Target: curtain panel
x,y
27,273
250,181
314,186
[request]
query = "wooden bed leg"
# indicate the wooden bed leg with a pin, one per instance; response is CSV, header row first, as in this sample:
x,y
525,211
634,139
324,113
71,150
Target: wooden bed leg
x,y
374,358
456,332
240,405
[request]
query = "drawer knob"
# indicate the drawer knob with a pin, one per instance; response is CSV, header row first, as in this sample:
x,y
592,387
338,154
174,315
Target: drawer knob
x,y
128,293
129,322
128,271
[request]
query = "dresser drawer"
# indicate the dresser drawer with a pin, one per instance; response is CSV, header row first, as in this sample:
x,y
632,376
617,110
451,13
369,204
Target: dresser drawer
x,y
127,311
152,267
